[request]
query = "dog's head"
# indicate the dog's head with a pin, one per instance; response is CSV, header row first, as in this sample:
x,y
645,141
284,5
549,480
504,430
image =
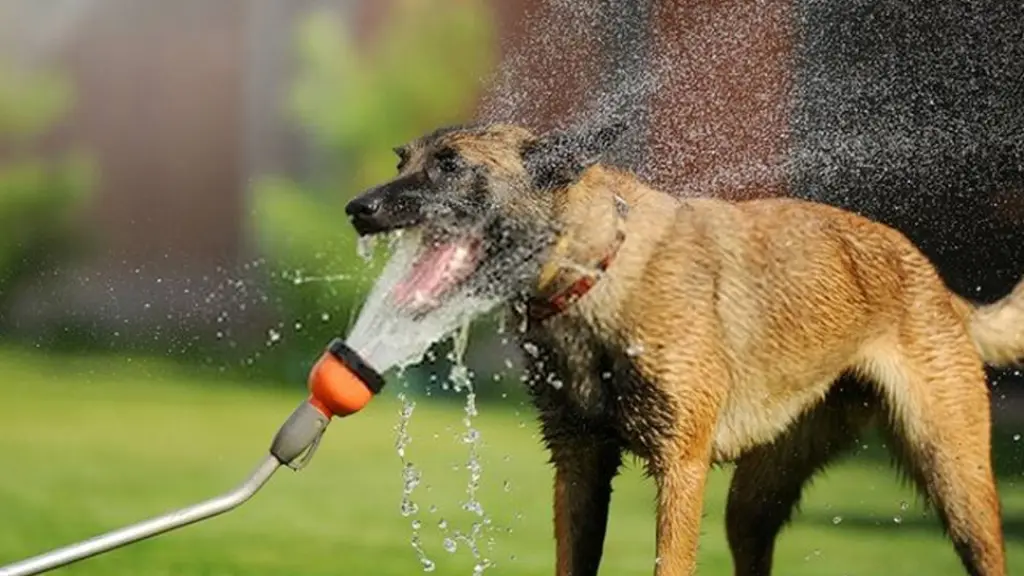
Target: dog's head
x,y
486,199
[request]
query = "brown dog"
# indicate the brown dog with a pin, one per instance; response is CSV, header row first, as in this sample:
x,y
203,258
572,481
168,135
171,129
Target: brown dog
x,y
694,331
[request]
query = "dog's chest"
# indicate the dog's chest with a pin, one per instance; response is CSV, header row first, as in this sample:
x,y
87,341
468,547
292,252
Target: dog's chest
x,y
583,384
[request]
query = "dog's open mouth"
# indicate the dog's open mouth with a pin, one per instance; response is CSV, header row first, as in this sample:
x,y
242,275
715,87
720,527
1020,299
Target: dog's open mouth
x,y
439,267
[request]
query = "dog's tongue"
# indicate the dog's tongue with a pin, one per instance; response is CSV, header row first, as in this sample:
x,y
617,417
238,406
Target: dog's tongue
x,y
436,270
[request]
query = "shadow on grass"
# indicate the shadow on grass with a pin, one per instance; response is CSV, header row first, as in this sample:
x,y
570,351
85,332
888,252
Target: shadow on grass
x,y
1008,462
1007,452
1013,527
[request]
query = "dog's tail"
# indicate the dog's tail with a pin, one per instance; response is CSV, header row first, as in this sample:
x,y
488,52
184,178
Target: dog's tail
x,y
998,328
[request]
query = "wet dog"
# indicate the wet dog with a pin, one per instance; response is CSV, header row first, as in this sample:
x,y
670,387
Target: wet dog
x,y
768,333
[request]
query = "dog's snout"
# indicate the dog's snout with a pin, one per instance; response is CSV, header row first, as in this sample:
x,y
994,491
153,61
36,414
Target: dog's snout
x,y
365,212
387,207
364,206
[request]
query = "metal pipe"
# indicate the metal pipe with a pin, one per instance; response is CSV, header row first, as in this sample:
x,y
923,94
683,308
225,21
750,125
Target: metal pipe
x,y
142,530
341,383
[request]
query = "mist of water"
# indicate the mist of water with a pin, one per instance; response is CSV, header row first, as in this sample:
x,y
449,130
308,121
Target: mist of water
x,y
907,112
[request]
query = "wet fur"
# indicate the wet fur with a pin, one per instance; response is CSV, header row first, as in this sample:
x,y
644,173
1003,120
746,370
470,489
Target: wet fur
x,y
767,333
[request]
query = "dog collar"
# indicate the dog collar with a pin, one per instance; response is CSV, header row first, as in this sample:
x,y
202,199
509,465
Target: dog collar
x,y
540,309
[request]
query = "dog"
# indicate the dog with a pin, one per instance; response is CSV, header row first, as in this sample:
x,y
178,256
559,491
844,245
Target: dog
x,y
696,331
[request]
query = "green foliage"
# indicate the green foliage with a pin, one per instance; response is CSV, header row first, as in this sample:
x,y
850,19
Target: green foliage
x,y
31,102
38,198
422,71
356,103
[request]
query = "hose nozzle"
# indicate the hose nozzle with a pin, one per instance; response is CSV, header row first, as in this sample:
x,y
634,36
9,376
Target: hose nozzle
x,y
341,383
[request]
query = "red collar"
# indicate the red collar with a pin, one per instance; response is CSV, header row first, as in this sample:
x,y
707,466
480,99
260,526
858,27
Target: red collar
x,y
540,309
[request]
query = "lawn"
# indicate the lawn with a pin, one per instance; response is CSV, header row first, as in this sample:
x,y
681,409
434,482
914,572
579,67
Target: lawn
x,y
91,444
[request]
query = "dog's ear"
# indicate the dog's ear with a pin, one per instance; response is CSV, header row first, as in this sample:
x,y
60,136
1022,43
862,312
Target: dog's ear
x,y
557,159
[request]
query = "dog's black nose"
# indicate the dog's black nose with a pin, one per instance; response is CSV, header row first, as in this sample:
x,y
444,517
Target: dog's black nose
x,y
364,206
366,212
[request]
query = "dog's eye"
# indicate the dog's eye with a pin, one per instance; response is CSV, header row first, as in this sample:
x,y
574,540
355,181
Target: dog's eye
x,y
448,161
403,156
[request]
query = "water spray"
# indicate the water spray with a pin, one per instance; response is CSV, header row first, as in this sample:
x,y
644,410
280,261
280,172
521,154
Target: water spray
x,y
340,384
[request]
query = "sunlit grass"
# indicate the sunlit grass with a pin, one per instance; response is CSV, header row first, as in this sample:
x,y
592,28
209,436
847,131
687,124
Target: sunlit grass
x,y
93,444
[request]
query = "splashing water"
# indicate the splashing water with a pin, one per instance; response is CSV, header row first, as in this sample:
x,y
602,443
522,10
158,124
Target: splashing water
x,y
395,332
299,278
460,377
389,333
462,380
411,477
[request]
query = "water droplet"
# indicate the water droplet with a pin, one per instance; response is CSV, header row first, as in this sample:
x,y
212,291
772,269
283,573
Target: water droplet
x,y
365,246
449,545
554,381
897,519
1016,437
507,486
428,564
325,317
634,350
904,505
273,336
394,237
409,508
837,519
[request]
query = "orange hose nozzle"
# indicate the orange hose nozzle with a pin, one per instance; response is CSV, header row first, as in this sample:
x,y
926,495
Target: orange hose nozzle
x,y
341,383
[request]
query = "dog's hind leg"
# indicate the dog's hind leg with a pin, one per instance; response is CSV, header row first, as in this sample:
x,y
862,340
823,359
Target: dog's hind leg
x,y
939,422
768,481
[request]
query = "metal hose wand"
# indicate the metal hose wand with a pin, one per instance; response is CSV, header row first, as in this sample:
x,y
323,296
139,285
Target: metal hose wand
x,y
340,383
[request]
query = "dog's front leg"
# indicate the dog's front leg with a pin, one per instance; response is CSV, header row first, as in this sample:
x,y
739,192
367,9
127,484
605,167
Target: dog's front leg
x,y
680,506
584,468
680,464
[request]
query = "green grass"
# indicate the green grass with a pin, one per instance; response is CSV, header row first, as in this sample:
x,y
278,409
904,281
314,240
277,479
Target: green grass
x,y
93,444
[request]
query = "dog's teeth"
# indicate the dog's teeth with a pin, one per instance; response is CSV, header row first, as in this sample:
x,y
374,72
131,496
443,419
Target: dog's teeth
x,y
421,298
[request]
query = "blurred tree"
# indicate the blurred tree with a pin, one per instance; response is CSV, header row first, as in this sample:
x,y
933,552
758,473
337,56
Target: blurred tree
x,y
39,193
421,70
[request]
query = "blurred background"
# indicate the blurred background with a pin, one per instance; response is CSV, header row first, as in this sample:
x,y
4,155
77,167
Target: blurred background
x,y
174,255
